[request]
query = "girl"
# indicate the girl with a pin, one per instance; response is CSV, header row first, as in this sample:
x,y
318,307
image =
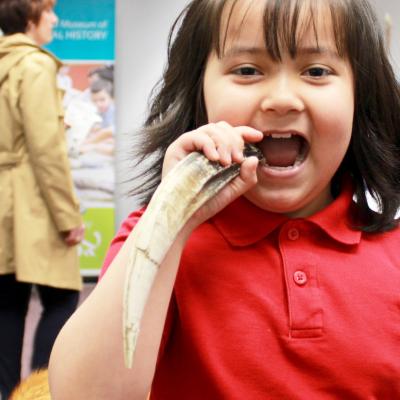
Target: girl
x,y
287,289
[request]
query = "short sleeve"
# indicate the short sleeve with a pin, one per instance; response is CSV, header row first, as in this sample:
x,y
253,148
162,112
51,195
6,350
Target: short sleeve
x,y
125,229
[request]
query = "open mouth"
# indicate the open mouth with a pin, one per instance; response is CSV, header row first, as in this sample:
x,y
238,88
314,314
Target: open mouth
x,y
284,150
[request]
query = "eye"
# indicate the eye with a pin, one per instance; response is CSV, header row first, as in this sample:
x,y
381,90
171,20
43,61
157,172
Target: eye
x,y
317,72
246,71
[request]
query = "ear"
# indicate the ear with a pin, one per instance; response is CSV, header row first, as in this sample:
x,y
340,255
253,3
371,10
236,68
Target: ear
x,y
29,27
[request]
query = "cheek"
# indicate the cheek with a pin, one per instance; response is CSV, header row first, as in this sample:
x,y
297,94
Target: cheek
x,y
335,123
234,107
333,119
332,141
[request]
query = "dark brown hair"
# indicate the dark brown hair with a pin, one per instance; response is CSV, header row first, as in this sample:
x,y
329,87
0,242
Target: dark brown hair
x,y
373,156
102,84
16,14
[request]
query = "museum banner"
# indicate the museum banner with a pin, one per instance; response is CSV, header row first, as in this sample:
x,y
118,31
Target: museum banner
x,y
84,41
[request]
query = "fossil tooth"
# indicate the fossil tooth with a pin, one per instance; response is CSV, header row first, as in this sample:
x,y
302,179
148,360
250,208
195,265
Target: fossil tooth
x,y
192,182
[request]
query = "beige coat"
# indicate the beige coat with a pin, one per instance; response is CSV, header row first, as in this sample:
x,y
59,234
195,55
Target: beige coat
x,y
37,200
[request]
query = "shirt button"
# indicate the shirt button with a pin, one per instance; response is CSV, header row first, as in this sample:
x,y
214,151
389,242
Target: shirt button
x,y
293,234
300,278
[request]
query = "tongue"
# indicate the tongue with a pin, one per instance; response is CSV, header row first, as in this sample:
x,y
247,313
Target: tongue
x,y
281,152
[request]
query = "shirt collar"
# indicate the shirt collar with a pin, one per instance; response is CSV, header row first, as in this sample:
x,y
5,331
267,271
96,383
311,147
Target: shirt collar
x,y
242,223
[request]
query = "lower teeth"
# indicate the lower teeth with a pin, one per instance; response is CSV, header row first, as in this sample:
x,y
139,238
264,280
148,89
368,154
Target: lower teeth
x,y
298,161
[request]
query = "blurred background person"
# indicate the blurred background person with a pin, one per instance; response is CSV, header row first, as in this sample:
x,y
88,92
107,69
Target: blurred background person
x,y
105,72
40,222
101,136
103,98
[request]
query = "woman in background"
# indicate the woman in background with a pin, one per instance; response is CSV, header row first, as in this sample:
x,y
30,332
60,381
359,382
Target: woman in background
x,y
40,222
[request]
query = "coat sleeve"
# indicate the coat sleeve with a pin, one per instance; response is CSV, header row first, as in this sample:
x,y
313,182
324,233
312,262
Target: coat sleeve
x,y
43,126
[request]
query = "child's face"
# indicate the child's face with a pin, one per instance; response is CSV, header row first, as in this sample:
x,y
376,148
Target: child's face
x,y
102,100
310,97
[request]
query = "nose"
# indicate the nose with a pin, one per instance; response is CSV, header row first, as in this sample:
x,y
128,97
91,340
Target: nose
x,y
55,18
281,96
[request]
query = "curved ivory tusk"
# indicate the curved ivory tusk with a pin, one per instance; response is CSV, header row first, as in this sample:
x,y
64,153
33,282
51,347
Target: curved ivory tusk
x,y
192,182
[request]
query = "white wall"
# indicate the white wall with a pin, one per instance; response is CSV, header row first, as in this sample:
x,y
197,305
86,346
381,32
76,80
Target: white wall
x,y
142,29
141,42
391,7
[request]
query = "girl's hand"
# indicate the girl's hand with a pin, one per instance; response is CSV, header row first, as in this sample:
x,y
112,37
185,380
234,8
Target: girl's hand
x,y
223,143
217,141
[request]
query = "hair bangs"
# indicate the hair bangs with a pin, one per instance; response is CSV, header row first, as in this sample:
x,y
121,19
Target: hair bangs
x,y
285,23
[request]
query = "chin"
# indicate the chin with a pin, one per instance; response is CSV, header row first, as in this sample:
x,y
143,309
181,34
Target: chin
x,y
279,204
281,201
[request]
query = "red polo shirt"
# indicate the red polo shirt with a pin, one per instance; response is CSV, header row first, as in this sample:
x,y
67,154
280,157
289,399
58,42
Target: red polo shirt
x,y
266,307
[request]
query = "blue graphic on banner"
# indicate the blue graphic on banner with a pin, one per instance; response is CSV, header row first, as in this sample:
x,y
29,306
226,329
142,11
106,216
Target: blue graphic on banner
x,y
85,30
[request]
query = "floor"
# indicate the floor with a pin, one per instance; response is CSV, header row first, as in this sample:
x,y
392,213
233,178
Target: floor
x,y
31,322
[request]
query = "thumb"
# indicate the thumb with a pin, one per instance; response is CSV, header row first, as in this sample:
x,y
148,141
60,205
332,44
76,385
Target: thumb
x,y
238,186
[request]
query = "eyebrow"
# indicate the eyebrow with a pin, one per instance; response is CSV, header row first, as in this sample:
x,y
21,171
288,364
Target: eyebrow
x,y
309,50
317,50
238,50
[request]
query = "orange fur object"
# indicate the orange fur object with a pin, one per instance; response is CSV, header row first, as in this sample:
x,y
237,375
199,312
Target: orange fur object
x,y
34,387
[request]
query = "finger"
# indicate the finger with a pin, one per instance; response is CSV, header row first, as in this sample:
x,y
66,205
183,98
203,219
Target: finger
x,y
220,134
249,134
198,140
74,237
186,144
248,172
231,141
207,145
242,183
228,141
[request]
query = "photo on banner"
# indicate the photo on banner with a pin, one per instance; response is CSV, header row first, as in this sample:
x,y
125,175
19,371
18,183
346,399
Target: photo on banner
x,y
84,40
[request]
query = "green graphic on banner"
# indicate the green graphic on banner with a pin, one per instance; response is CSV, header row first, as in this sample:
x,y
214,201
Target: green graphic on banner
x,y
99,232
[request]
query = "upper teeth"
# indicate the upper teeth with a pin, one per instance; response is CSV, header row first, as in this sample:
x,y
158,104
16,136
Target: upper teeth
x,y
281,135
